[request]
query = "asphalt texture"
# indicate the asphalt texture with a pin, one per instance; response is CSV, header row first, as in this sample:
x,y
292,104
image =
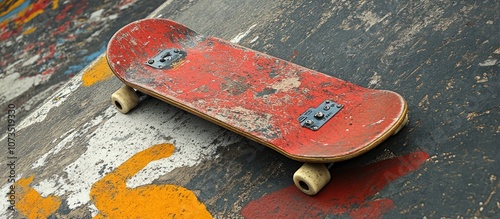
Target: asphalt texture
x,y
76,157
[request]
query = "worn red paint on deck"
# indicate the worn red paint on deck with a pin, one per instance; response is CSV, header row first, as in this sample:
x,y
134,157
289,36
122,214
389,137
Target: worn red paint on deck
x,y
254,94
350,192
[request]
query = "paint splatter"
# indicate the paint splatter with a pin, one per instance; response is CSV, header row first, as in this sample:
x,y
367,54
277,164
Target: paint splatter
x,y
22,12
350,192
97,72
31,204
74,69
114,200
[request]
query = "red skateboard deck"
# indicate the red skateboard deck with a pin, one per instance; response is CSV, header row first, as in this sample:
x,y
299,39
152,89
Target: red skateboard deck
x,y
267,99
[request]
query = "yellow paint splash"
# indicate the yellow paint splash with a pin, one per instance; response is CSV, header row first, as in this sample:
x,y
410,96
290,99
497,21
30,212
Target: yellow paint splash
x,y
98,71
114,200
31,204
29,30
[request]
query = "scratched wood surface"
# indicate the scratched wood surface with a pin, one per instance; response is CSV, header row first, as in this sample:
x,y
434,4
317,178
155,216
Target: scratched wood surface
x,y
442,56
254,94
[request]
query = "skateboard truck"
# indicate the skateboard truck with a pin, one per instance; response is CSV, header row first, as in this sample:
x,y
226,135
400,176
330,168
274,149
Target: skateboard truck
x,y
166,58
314,118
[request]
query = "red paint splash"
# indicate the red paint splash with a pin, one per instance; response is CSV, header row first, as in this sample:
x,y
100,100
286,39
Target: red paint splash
x,y
64,13
350,192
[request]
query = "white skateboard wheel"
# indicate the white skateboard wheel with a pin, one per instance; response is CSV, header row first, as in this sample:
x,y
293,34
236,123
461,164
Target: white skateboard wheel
x,y
125,99
311,178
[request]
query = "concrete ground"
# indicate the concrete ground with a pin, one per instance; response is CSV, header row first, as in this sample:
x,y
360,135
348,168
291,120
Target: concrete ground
x,y
75,156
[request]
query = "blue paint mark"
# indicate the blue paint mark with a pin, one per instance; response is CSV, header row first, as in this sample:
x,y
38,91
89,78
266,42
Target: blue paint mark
x,y
74,69
16,10
60,41
94,55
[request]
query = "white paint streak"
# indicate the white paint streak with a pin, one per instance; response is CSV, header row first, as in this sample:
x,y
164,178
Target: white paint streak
x,y
46,187
112,17
14,85
488,62
125,6
254,39
31,60
40,97
240,36
96,15
158,10
10,69
53,101
115,140
41,161
67,139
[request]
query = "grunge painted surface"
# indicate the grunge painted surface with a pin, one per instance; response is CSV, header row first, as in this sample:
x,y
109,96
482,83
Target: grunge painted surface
x,y
43,43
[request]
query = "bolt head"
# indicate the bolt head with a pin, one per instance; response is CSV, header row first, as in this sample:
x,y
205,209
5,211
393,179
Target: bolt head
x,y
319,115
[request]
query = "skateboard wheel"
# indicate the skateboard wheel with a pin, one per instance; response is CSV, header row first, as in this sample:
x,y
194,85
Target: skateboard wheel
x,y
125,99
405,122
310,178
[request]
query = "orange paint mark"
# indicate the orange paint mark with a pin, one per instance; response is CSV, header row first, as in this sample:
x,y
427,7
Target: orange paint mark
x,y
55,4
114,200
99,71
31,204
29,30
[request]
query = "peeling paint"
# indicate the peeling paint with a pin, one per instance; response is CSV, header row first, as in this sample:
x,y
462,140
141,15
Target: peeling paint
x,y
54,100
242,35
114,200
31,204
17,85
287,84
103,154
488,62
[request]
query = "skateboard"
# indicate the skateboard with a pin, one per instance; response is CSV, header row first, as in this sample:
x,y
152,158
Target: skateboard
x,y
303,114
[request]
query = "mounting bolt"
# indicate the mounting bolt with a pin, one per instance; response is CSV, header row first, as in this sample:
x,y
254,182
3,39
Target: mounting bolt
x,y
309,122
326,107
339,105
319,115
176,50
315,128
151,61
